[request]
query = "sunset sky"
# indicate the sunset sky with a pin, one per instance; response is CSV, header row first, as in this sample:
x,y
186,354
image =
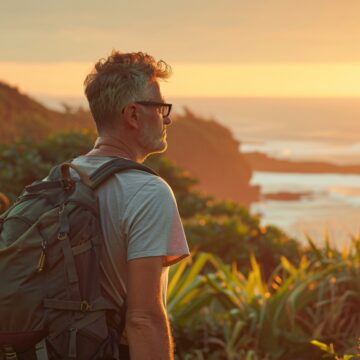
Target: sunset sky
x,y
216,48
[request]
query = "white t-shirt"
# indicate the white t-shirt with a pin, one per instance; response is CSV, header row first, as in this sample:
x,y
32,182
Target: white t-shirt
x,y
139,218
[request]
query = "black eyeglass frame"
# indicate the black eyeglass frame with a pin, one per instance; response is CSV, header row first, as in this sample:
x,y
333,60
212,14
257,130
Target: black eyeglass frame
x,y
157,104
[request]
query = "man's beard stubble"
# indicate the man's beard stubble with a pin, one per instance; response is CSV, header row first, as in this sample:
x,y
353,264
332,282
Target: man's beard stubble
x,y
152,145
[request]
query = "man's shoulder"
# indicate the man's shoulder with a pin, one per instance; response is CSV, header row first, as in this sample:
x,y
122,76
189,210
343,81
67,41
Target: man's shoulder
x,y
143,185
130,181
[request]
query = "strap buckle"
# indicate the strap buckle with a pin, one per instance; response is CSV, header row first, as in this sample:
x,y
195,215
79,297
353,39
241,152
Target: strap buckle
x,y
41,350
62,236
85,306
9,353
10,356
61,209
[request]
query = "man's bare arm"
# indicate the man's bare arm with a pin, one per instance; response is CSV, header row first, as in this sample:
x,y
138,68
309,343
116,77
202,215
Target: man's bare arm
x,y
147,325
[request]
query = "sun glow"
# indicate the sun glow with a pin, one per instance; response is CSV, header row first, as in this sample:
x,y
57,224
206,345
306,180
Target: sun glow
x,y
190,80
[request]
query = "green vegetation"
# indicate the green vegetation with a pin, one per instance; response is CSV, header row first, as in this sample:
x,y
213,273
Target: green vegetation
x,y
249,292
22,161
222,314
331,353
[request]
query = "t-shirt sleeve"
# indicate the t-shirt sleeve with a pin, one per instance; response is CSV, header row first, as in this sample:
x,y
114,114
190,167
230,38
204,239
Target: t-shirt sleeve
x,y
153,226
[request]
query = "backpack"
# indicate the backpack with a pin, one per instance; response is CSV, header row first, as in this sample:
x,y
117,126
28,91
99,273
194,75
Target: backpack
x,y
50,297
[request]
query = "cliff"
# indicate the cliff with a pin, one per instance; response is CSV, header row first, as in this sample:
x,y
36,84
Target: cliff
x,y
210,153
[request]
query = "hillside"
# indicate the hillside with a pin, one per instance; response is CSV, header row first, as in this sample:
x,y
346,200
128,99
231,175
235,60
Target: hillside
x,y
209,151
21,116
204,148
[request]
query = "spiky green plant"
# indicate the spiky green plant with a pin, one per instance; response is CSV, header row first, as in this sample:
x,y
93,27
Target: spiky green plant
x,y
230,315
330,352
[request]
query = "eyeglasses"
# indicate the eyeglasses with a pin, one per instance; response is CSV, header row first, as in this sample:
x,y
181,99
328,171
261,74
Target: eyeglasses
x,y
164,109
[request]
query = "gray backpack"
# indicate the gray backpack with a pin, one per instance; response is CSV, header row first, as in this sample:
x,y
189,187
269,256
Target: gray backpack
x,y
51,304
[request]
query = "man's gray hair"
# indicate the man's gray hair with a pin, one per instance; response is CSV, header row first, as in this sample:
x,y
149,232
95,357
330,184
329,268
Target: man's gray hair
x,y
119,80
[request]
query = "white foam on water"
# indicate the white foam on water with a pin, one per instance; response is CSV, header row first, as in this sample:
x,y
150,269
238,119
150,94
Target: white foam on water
x,y
332,207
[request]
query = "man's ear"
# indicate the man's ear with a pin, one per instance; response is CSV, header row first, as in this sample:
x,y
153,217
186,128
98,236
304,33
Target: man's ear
x,y
130,116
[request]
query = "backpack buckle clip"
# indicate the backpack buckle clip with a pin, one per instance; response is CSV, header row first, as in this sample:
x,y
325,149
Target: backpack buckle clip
x,y
9,353
62,236
61,209
10,356
85,306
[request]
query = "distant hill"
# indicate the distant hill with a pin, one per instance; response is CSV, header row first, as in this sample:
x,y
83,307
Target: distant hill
x,y
21,116
204,148
209,151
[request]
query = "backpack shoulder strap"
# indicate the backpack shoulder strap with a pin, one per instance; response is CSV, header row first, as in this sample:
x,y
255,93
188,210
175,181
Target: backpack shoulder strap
x,y
114,166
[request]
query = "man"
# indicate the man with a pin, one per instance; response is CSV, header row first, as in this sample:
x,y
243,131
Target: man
x,y
139,217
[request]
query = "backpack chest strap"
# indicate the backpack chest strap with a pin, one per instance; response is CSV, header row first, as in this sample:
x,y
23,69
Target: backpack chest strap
x,y
98,305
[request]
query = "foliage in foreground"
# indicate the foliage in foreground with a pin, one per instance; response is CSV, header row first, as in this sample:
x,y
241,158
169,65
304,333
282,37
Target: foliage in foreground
x,y
332,354
223,314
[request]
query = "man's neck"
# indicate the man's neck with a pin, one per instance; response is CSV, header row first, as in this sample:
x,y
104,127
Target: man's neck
x,y
111,146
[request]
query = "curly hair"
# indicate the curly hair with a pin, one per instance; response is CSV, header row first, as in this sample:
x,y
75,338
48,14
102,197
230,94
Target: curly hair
x,y
120,79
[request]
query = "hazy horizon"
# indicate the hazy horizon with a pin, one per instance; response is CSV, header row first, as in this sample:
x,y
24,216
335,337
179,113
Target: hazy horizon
x,y
234,48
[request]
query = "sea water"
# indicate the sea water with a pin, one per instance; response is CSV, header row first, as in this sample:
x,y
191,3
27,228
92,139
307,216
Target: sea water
x,y
331,208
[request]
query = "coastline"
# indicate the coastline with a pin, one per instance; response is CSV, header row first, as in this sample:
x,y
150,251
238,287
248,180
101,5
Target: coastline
x,y
262,162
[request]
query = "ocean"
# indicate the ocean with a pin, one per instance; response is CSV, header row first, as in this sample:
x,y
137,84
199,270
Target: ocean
x,y
331,208
302,129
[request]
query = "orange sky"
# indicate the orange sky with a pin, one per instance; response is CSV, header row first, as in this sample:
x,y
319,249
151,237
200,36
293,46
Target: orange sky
x,y
216,48
220,80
